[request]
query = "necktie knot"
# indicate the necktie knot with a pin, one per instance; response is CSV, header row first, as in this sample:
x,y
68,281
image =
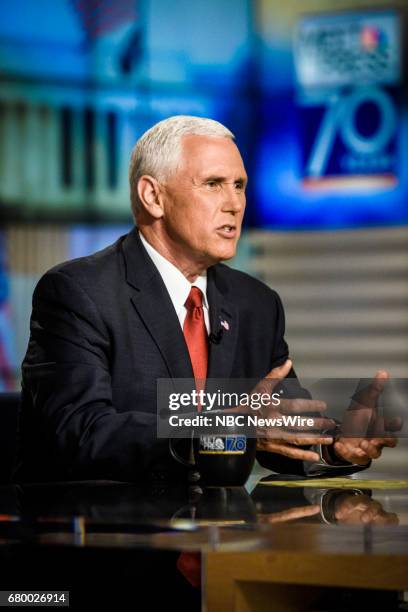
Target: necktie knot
x,y
195,299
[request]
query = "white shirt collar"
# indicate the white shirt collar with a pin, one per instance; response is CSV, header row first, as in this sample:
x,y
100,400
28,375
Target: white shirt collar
x,y
176,283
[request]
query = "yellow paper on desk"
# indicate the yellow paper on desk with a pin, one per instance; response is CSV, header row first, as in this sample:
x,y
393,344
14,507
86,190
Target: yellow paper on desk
x,y
338,483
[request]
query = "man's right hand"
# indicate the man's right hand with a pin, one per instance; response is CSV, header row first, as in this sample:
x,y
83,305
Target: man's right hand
x,y
278,439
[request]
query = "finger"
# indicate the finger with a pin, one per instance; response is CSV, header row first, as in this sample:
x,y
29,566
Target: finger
x,y
391,442
386,518
367,518
376,387
379,382
277,374
321,425
281,371
351,453
350,505
301,512
368,397
357,421
286,450
371,450
349,442
293,514
344,447
302,438
370,514
377,427
318,426
307,440
300,405
393,423
384,426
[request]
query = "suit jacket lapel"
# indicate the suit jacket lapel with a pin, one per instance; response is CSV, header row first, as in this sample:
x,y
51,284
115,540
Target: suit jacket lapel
x,y
224,327
153,304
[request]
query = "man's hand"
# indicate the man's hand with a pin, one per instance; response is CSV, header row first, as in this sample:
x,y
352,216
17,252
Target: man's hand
x,y
357,509
292,514
289,443
362,418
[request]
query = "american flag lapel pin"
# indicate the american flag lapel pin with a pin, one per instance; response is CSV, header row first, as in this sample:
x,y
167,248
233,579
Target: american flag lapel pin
x,y
225,324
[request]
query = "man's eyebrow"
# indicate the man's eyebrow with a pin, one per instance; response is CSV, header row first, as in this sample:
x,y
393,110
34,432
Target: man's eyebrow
x,y
214,177
221,179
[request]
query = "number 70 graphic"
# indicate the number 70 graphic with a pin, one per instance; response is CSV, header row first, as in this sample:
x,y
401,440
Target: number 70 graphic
x,y
340,119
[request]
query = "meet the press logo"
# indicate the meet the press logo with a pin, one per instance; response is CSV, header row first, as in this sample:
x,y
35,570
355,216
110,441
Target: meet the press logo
x,y
225,445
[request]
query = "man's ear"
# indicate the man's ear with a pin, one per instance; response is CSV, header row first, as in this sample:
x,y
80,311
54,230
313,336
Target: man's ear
x,y
150,196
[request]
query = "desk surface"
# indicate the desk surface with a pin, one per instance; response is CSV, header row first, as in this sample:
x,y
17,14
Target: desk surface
x,y
329,519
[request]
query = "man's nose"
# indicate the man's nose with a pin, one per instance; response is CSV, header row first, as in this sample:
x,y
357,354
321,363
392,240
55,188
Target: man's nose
x,y
234,199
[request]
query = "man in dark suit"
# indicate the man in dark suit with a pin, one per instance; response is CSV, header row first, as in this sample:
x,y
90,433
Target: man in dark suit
x,y
104,328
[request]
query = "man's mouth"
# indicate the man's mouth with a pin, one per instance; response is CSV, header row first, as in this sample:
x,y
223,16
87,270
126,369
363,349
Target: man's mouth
x,y
227,231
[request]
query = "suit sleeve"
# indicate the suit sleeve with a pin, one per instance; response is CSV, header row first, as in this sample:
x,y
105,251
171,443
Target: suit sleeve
x,y
67,372
280,350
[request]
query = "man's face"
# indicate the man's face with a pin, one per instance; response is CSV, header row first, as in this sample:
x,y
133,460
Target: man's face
x,y
204,201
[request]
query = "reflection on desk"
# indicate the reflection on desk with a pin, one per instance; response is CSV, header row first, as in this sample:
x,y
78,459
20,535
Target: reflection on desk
x,y
113,536
112,507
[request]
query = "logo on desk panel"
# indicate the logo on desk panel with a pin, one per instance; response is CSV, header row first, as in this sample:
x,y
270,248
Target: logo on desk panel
x,y
222,445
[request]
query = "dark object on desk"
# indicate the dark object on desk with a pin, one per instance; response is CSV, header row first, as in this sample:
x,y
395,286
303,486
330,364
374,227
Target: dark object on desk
x,y
219,466
9,410
224,458
218,505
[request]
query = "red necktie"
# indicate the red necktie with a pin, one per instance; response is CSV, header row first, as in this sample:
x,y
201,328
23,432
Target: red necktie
x,y
196,337
189,565
195,333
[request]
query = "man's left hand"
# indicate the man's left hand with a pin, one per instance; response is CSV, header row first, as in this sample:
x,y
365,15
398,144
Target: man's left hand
x,y
362,417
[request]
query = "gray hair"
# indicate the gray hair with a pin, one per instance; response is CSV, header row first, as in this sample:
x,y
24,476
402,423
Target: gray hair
x,y
157,152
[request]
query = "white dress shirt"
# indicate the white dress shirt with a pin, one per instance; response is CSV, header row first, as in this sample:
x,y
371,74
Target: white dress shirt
x,y
177,285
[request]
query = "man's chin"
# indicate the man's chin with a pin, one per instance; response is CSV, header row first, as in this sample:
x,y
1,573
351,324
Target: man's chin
x,y
224,255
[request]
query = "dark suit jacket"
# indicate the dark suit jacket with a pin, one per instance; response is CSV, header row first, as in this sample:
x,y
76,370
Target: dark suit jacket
x,y
103,330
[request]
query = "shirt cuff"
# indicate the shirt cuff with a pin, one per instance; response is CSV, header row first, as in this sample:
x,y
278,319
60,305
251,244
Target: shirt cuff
x,y
327,465
329,457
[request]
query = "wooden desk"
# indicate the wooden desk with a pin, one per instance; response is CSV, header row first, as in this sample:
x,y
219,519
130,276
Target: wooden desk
x,y
296,562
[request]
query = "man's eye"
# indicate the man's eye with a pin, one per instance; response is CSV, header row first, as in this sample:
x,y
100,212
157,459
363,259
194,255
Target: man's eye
x,y
239,186
212,184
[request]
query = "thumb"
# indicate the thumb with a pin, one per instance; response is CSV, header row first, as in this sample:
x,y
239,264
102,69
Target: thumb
x,y
281,371
269,382
378,384
369,396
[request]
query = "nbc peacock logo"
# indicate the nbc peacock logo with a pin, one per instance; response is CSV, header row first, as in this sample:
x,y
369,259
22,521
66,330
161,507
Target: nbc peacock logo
x,y
373,39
